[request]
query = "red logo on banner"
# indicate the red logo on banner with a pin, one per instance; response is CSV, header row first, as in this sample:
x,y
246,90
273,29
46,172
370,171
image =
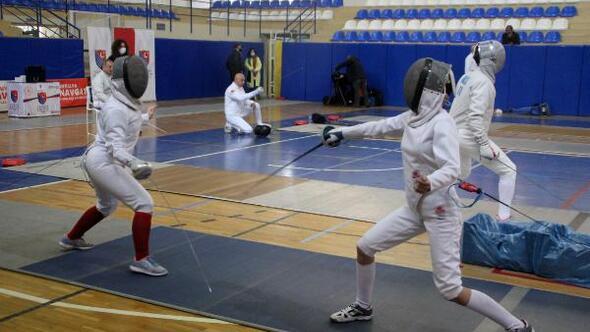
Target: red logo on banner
x,y
14,95
42,97
145,55
100,56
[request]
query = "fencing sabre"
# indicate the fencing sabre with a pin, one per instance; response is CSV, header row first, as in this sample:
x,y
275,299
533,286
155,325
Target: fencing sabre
x,y
185,232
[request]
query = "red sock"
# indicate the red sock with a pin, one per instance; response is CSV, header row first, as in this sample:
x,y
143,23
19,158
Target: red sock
x,y
141,234
90,218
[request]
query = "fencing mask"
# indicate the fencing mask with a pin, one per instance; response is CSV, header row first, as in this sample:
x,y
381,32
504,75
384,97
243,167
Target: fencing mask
x,y
490,56
427,74
134,72
262,130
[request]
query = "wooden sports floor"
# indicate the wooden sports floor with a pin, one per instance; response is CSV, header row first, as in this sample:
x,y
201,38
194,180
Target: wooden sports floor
x,y
234,203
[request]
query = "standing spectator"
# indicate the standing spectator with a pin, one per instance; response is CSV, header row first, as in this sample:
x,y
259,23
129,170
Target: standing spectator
x,y
234,63
509,37
254,67
356,75
119,48
101,83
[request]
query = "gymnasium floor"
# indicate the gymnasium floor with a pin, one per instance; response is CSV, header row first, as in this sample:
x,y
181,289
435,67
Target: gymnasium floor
x,y
275,251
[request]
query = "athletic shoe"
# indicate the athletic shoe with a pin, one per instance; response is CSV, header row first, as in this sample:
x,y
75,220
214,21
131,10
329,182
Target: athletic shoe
x,y
352,313
148,266
77,244
526,328
228,128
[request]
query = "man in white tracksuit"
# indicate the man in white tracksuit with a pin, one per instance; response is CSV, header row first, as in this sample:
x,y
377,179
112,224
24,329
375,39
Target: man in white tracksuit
x,y
112,168
238,105
430,153
472,109
101,84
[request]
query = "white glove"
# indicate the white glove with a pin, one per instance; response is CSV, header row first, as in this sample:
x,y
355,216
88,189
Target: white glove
x,y
260,90
486,151
332,138
141,169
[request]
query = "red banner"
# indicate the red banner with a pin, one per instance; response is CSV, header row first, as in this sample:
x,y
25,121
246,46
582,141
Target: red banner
x,y
73,91
128,35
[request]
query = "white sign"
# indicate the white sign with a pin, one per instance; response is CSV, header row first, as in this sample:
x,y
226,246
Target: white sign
x,y
145,47
3,96
99,48
33,99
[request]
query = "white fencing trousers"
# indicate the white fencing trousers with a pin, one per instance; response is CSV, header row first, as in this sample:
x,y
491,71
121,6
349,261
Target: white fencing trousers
x,y
444,234
238,123
113,182
507,184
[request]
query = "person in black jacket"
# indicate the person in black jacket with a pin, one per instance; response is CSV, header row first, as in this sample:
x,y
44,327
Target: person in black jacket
x,y
509,37
356,75
234,63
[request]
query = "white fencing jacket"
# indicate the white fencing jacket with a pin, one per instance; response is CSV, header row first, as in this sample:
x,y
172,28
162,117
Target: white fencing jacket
x,y
429,146
473,106
237,100
101,89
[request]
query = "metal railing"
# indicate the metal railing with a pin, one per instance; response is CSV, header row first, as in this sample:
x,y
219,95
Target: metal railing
x,y
40,19
303,25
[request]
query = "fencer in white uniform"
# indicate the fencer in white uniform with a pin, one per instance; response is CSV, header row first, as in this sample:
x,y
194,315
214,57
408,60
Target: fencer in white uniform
x,y
112,168
472,110
238,104
430,154
101,84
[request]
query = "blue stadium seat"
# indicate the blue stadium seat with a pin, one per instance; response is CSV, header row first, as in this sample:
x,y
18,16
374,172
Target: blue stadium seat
x,y
537,12
569,11
362,14
402,37
374,14
337,3
254,4
225,4
521,12
464,13
492,12
284,4
295,4
416,37
363,36
376,36
521,34
275,4
141,11
338,36
388,36
306,3
236,4
166,14
324,3
398,14
473,37
103,8
81,6
478,13
264,4
552,11
437,13
488,35
411,13
424,14
535,37
444,37
552,37
216,5
450,13
458,37
387,14
429,37
350,36
123,10
94,8
507,12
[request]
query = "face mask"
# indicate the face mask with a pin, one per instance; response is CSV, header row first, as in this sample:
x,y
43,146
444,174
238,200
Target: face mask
x,y
122,50
252,54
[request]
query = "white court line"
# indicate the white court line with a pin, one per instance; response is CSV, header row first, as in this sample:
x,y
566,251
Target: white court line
x,y
34,186
326,231
41,300
236,149
343,170
371,148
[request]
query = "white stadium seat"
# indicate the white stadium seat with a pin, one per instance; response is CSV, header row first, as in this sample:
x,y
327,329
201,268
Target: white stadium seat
x,y
468,24
482,24
413,25
514,22
350,25
407,3
440,25
445,2
498,2
454,24
528,24
327,15
420,2
560,24
375,25
387,25
544,24
372,3
400,25
498,24
426,25
362,25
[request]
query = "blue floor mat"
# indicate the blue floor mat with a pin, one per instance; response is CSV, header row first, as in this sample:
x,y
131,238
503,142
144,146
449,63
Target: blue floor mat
x,y
269,285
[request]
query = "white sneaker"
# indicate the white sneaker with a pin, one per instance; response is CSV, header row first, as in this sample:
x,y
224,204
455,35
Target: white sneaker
x,y
149,267
77,244
228,128
526,328
352,313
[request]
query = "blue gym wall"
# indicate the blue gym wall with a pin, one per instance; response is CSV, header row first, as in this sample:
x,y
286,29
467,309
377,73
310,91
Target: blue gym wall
x,y
62,58
194,68
559,75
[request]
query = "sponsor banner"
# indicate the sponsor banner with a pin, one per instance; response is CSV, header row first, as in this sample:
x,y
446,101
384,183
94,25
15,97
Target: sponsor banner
x,y
33,99
99,48
73,91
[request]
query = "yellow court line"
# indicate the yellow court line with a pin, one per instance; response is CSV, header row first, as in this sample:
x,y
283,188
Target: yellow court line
x,y
41,300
